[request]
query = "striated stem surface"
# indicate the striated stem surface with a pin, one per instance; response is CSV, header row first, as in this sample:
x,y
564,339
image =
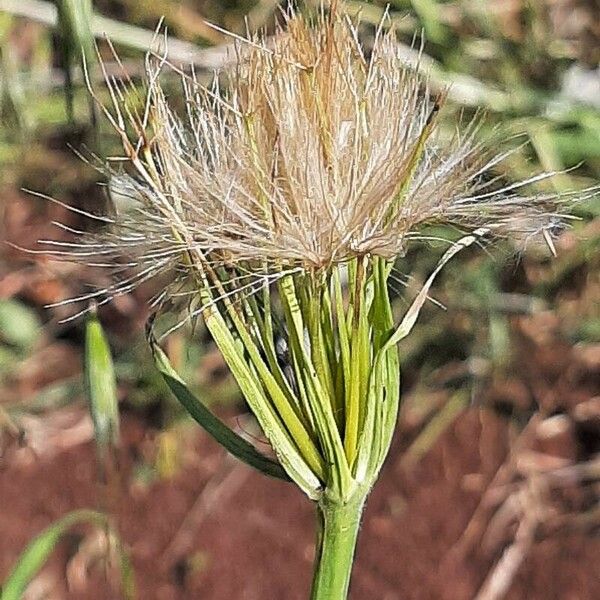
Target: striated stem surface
x,y
339,524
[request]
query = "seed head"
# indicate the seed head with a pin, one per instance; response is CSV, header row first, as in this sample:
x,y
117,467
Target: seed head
x,y
317,166
316,152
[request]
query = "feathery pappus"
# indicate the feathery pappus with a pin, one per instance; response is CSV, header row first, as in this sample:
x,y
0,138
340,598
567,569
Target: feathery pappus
x,y
312,154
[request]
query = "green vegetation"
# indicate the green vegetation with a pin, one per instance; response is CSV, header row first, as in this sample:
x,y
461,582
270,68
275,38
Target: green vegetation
x,y
516,65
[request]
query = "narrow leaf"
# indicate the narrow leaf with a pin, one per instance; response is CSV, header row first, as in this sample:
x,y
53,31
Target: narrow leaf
x,y
39,549
410,318
386,368
101,387
76,43
75,23
227,438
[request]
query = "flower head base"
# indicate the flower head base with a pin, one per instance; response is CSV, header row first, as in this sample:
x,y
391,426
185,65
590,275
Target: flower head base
x,y
315,168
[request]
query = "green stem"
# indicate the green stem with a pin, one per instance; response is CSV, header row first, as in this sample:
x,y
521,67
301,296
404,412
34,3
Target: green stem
x,y
338,529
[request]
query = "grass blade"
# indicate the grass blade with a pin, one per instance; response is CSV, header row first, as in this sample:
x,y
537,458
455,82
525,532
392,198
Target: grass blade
x,y
227,438
39,549
76,43
102,389
74,20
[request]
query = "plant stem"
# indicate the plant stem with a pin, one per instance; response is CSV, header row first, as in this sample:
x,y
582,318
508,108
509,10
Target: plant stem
x,y
338,529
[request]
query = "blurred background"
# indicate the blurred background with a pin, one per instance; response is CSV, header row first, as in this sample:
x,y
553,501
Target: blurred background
x,y
492,488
